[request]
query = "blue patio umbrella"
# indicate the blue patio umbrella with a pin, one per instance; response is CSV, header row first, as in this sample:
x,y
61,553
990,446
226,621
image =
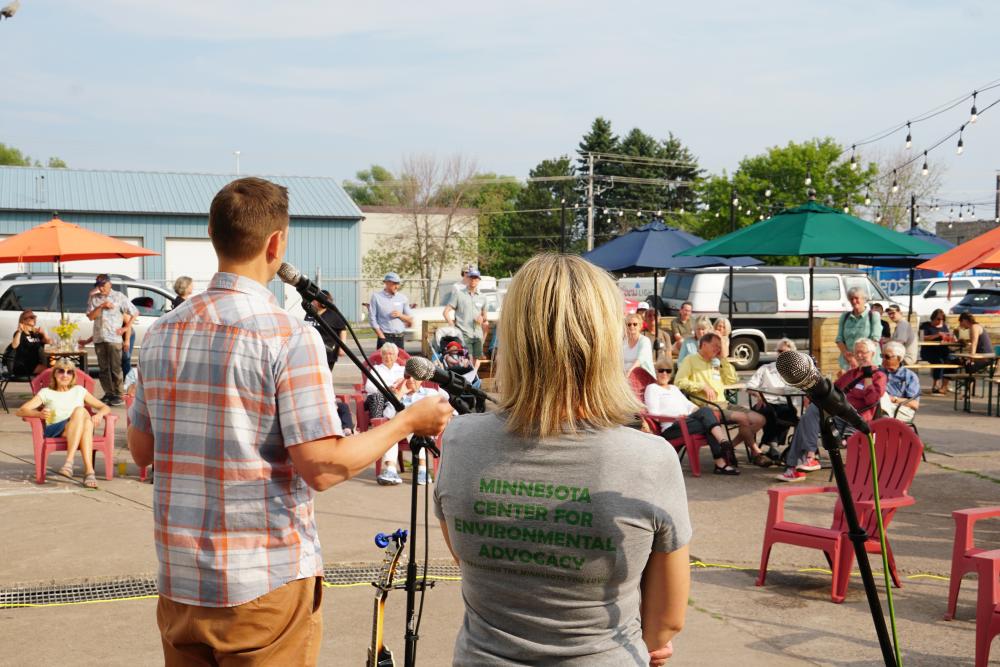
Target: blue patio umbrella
x,y
653,247
903,261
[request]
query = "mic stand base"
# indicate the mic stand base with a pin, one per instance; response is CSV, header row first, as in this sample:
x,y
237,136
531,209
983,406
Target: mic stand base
x,y
857,535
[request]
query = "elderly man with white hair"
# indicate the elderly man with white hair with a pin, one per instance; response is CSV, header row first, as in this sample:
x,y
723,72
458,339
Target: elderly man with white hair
x,y
863,387
902,393
777,410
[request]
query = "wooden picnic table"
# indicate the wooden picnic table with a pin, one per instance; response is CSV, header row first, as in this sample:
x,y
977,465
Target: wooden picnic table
x,y
969,380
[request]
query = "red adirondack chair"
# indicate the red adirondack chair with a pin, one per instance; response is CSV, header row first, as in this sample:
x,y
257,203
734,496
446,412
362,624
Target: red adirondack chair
x,y
362,420
688,442
963,550
898,451
987,603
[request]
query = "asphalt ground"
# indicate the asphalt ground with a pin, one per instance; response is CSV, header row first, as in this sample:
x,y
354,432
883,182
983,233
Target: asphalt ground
x,y
59,534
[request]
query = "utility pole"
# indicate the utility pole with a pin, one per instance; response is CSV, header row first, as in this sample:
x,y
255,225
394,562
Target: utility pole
x,y
913,225
562,225
590,201
996,210
732,210
237,155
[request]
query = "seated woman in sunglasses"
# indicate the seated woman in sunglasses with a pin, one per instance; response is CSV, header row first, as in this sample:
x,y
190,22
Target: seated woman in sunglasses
x,y
61,405
666,400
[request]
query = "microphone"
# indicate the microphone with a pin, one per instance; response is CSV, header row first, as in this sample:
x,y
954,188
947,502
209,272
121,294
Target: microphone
x,y
309,290
420,368
799,371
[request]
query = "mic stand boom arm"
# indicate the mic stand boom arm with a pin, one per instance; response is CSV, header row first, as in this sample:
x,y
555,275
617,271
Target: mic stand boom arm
x,y
857,535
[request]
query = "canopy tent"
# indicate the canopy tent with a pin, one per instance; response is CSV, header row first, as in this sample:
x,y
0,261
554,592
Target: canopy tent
x,y
812,230
653,247
58,241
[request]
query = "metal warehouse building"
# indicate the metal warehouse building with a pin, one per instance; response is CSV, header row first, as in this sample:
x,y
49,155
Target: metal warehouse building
x,y
168,213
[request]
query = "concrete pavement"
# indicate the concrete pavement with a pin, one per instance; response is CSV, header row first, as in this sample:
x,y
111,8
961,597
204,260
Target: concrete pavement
x,y
59,533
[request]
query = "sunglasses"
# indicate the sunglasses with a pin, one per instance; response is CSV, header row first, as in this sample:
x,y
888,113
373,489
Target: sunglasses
x,y
65,371
664,370
633,324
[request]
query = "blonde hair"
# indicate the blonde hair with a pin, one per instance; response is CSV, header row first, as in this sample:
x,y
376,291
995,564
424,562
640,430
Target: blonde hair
x,y
704,323
726,324
566,376
62,363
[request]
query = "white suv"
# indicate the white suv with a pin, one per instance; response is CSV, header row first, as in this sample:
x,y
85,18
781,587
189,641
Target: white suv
x,y
39,292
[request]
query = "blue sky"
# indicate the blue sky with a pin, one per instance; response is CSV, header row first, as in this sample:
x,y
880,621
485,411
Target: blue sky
x,y
321,88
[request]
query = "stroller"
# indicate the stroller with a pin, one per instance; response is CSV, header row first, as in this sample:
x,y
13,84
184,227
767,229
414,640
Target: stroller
x,y
450,353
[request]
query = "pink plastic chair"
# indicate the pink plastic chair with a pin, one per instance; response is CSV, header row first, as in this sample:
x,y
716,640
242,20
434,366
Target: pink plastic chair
x,y
898,452
688,442
43,446
963,550
987,603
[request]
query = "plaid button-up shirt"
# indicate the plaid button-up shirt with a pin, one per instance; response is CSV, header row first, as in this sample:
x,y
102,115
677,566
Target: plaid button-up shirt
x,y
109,320
227,382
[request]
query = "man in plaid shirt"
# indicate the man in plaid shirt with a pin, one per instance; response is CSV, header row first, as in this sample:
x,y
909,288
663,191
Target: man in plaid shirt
x,y
235,406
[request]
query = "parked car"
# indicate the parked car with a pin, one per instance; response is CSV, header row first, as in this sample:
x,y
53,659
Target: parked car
x,y
436,314
40,292
771,302
930,294
979,301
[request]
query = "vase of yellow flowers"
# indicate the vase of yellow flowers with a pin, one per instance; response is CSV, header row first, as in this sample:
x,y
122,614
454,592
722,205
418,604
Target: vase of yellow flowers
x,y
66,332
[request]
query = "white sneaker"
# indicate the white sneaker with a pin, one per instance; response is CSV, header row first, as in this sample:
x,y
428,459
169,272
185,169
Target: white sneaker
x,y
421,476
388,476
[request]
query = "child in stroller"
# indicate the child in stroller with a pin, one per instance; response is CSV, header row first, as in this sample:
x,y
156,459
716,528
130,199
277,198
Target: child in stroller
x,y
450,353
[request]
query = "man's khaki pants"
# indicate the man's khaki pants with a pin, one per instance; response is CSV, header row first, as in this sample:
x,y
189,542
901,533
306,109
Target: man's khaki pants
x,y
283,627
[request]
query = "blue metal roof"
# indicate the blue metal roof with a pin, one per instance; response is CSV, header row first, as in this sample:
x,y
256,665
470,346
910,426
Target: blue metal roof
x,y
83,190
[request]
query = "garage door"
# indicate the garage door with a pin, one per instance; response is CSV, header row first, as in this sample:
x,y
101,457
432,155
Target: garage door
x,y
190,257
128,267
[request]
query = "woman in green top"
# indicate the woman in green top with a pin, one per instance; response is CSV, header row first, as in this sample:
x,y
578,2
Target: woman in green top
x,y
62,406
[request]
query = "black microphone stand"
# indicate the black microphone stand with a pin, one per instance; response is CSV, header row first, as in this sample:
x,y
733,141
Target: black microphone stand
x,y
416,444
857,535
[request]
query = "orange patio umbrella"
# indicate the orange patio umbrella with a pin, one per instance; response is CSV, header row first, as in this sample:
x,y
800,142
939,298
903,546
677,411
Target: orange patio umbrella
x,y
982,252
58,241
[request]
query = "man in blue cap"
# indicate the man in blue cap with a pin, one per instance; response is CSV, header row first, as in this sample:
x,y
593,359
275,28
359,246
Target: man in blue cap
x,y
466,309
389,312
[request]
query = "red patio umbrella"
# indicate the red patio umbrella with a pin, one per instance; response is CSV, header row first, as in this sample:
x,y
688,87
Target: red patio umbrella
x,y
982,252
58,241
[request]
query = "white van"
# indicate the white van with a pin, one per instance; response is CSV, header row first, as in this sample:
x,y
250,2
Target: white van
x,y
930,294
771,302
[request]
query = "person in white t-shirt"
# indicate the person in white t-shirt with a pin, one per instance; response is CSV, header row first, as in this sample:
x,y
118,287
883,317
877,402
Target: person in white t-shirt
x,y
61,405
666,400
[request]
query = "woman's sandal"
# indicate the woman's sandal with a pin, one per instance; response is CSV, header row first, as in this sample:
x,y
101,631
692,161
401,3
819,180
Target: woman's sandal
x,y
726,470
66,471
762,460
90,481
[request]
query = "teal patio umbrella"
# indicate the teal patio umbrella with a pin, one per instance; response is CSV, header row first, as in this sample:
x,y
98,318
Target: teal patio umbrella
x,y
813,230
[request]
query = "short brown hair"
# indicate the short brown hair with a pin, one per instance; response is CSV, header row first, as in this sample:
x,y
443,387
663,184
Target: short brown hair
x,y
243,214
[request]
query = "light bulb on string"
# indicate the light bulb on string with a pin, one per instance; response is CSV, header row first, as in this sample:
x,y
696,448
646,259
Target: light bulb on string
x,y
809,178
854,162
917,218
895,183
760,217
960,215
925,170
909,136
961,144
868,196
659,213
605,211
716,214
621,213
847,209
767,193
736,201
878,215
973,114
638,213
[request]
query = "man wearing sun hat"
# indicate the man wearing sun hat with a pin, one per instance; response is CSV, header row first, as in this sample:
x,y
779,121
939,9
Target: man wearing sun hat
x,y
389,312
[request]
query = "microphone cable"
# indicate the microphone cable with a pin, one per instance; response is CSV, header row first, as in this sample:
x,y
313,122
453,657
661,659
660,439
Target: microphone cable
x,y
876,496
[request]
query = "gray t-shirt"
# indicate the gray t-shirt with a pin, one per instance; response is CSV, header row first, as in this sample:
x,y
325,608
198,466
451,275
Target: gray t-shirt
x,y
903,333
467,306
553,536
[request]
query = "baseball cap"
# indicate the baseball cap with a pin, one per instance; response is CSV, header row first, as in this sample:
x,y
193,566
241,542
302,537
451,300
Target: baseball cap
x,y
473,273
894,308
642,306
453,345
101,279
392,277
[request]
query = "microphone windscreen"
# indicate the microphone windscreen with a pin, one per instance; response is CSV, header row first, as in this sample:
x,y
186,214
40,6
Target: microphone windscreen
x,y
289,274
795,368
420,368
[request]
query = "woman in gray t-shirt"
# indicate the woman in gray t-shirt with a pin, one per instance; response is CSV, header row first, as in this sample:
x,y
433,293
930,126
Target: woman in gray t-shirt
x,y
571,529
